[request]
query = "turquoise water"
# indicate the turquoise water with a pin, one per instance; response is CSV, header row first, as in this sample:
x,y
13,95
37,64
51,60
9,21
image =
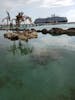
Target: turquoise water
x,y
40,69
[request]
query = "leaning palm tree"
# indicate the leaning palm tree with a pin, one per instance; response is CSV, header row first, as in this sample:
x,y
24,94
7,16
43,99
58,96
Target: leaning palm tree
x,y
12,24
7,18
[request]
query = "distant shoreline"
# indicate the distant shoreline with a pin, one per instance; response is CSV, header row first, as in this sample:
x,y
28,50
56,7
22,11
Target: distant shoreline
x,y
38,26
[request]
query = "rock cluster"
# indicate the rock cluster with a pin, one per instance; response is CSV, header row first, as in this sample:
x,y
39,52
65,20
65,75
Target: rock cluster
x,y
29,34
25,35
12,36
58,31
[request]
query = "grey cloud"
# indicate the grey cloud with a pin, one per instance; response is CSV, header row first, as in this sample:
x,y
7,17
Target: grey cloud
x,y
8,4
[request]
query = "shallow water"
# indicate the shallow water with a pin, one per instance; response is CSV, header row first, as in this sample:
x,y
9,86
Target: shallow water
x,y
40,69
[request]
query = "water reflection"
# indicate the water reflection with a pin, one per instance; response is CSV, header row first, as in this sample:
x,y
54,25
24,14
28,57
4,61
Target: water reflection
x,y
24,77
46,56
21,48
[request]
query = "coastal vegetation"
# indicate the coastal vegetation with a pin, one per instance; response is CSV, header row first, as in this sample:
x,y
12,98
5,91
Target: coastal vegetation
x,y
22,49
25,34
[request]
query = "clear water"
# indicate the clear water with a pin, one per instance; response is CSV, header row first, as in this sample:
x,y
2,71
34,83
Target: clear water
x,y
40,69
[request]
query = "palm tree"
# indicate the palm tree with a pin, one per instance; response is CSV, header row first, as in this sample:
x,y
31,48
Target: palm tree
x,y
12,23
7,18
21,18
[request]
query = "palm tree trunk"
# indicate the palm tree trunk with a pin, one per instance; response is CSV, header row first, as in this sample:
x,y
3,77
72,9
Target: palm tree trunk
x,y
7,25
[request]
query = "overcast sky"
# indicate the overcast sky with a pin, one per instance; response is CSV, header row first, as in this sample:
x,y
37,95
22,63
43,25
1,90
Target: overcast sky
x,y
38,8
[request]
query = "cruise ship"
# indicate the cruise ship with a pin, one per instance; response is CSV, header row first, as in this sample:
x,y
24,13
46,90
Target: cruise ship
x,y
52,19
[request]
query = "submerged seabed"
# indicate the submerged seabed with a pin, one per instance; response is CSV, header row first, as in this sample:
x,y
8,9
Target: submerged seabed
x,y
40,69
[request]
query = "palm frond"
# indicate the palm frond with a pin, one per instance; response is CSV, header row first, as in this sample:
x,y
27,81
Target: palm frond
x,y
8,15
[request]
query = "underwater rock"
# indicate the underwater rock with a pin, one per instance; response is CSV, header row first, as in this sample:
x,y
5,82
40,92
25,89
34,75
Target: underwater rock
x,y
39,31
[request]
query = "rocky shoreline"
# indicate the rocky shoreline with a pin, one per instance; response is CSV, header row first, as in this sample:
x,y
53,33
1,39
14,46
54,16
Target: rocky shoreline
x,y
58,31
24,35
29,34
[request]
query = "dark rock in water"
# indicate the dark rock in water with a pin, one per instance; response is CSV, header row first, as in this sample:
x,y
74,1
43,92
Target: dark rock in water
x,y
11,36
33,30
70,31
44,31
39,31
14,38
57,31
5,36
